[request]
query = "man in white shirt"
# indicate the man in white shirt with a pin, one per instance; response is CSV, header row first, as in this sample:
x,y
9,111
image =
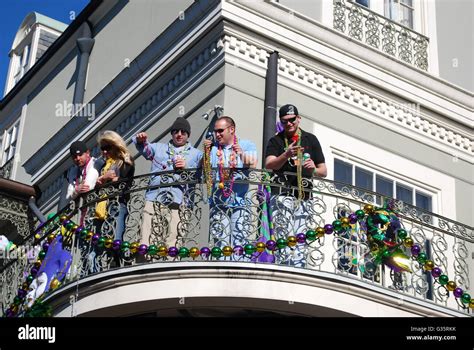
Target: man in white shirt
x,y
82,177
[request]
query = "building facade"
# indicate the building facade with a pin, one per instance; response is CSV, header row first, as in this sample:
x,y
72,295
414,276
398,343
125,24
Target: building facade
x,y
369,78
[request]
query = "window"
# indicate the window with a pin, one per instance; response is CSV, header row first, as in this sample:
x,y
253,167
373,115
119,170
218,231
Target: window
x,y
400,11
9,147
22,64
350,174
364,179
423,201
384,186
405,194
342,173
363,2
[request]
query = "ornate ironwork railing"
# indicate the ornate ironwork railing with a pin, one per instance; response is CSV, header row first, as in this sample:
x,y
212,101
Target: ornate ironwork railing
x,y
375,30
262,220
6,169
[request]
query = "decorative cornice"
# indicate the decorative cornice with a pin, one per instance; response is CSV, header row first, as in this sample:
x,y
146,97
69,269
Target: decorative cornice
x,y
381,107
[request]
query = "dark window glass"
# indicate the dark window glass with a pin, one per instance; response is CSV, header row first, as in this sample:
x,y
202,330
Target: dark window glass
x,y
342,172
423,201
364,179
383,186
405,194
363,2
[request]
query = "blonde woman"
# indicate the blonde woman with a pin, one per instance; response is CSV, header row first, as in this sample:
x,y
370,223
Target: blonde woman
x,y
118,167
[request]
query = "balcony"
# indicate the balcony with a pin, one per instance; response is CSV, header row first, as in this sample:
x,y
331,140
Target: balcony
x,y
392,38
334,253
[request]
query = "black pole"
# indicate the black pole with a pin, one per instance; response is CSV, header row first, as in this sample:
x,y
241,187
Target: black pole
x,y
269,116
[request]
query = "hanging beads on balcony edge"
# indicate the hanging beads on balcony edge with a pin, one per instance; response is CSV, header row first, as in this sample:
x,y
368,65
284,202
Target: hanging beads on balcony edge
x,y
386,238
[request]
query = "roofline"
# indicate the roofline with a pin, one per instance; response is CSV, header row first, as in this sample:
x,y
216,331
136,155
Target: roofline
x,y
70,30
53,23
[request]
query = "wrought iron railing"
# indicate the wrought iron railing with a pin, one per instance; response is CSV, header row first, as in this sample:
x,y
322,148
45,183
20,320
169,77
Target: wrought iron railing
x,y
6,169
377,31
262,220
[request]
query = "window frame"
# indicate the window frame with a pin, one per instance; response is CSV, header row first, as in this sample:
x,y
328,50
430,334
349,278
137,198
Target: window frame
x,y
399,5
388,177
8,153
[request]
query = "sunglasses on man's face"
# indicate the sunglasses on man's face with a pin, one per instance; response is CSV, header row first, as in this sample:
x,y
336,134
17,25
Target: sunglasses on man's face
x,y
289,120
174,132
220,131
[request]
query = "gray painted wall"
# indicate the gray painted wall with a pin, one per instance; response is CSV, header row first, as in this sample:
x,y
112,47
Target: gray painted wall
x,y
465,201
248,88
41,121
132,29
455,30
244,97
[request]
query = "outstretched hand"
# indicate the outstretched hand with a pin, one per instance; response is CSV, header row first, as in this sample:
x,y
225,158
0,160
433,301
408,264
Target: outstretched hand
x,y
141,137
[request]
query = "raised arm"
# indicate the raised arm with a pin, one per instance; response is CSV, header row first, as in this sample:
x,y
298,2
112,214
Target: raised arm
x,y
143,147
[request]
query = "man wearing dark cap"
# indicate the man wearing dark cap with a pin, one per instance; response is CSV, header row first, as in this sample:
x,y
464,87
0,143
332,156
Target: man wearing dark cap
x,y
161,212
283,147
82,177
282,156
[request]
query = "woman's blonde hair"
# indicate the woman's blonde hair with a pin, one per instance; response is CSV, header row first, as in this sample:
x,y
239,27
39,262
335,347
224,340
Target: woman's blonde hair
x,y
120,149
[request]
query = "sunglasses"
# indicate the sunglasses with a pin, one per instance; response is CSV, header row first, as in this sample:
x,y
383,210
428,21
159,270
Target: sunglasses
x,y
105,148
174,132
290,120
220,131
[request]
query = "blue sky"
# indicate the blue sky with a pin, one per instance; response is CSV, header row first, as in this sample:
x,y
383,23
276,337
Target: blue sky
x,y
12,13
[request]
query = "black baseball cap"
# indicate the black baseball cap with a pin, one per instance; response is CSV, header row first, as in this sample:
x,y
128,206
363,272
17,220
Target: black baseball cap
x,y
77,148
288,110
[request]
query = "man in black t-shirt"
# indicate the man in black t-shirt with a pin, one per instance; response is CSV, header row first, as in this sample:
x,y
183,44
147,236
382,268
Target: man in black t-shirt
x,y
282,148
291,216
